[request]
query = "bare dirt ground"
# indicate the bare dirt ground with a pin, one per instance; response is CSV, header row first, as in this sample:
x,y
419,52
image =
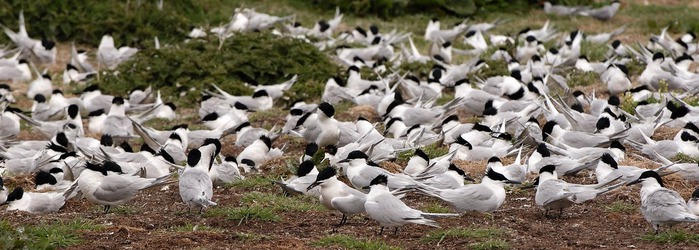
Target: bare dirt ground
x,y
157,219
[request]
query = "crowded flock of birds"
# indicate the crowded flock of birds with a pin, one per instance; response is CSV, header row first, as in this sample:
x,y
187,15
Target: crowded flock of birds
x,y
531,113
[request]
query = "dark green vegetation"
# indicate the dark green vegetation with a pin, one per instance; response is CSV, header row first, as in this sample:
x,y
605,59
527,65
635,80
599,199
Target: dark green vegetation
x,y
261,57
48,236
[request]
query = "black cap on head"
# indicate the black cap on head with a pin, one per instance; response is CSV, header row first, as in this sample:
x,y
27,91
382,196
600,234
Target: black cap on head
x,y
491,174
421,154
357,155
175,136
171,105
460,140
451,118
112,166
180,126
577,107
210,117
608,159
657,56
456,169
296,112
494,159
118,100
126,147
603,123
543,150
379,180
267,141
616,43
323,25
106,140
490,111
240,106
260,93
91,88
695,194
73,111
193,157
16,194
374,29
216,142
44,178
614,101
652,174
311,148
98,112
547,129
325,174
146,148
531,39
691,126
61,139
470,33
39,98
481,127
618,145
327,109
686,136
230,158
548,168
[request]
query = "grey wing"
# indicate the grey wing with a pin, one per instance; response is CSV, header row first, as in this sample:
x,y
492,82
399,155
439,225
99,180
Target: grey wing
x,y
551,191
116,188
195,183
468,198
393,209
350,203
665,204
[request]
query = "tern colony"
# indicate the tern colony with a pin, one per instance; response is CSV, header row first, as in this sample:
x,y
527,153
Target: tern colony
x,y
531,113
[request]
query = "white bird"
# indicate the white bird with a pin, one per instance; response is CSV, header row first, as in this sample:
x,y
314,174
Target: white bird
x,y
298,184
3,191
336,195
486,196
40,85
562,10
275,91
555,194
195,185
382,206
602,13
113,190
692,203
37,203
117,124
225,172
320,127
259,152
109,56
661,206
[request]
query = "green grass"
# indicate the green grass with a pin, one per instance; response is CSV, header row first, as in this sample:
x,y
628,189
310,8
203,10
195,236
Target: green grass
x,y
256,182
620,207
432,151
264,207
490,245
348,242
277,202
243,213
672,237
434,207
681,157
580,78
252,237
483,236
50,236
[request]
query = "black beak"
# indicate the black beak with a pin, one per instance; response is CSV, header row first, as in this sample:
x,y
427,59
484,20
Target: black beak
x,y
314,184
468,178
367,187
344,161
513,182
633,182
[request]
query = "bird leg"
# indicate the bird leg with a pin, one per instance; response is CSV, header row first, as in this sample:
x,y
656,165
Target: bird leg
x,y
106,208
380,232
395,231
343,220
